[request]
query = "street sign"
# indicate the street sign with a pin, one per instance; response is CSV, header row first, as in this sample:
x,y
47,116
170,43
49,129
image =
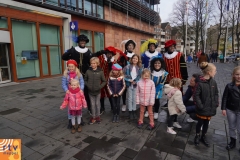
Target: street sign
x,y
73,26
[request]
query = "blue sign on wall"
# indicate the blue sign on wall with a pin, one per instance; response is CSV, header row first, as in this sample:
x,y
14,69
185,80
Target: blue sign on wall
x,y
73,26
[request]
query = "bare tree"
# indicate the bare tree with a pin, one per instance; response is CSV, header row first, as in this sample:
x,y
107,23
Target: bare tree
x,y
237,27
178,18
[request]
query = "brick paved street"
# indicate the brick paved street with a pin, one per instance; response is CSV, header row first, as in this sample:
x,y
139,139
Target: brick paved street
x,y
30,111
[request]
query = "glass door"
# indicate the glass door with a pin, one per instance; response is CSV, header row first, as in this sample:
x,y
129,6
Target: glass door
x,y
5,75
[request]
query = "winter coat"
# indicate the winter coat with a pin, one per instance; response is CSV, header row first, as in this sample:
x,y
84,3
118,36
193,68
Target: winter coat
x,y
74,101
175,102
65,82
127,74
116,85
231,97
145,94
188,94
95,81
202,58
159,81
206,97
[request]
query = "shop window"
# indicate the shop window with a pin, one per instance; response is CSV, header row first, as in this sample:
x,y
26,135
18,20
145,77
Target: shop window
x,y
72,5
88,7
50,46
25,41
99,9
98,41
89,35
52,2
3,22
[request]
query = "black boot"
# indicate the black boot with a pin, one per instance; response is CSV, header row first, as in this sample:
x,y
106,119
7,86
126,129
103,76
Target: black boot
x,y
134,115
232,144
69,124
196,139
82,122
117,118
113,118
204,140
130,115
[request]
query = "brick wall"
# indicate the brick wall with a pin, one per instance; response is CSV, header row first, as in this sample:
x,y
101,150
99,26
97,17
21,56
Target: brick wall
x,y
121,18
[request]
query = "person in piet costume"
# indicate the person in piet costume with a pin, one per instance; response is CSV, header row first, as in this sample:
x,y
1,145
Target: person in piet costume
x,y
148,50
82,55
124,60
158,76
175,63
106,62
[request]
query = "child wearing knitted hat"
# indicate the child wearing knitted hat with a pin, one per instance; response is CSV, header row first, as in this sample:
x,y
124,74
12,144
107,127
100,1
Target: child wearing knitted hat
x,y
116,86
71,72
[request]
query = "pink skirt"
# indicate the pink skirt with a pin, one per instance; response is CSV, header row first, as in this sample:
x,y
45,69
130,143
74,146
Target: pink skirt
x,y
75,112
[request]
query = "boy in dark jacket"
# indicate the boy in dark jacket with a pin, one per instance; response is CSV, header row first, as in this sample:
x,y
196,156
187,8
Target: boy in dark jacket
x,y
95,81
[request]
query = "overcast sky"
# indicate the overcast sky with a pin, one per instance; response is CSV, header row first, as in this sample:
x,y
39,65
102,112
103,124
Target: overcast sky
x,y
166,7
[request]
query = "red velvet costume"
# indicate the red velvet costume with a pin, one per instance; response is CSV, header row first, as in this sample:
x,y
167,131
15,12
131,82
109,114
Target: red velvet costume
x,y
175,64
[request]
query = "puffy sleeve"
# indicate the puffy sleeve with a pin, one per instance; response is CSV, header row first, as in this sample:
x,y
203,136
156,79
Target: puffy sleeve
x,y
152,93
123,87
196,96
67,55
84,103
64,83
65,101
224,98
81,82
178,100
138,93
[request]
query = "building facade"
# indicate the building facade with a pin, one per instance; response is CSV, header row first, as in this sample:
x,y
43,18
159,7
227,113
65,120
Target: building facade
x,y
35,33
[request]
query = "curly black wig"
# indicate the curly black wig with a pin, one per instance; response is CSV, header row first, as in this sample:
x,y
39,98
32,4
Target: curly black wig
x,y
130,42
163,65
82,37
155,44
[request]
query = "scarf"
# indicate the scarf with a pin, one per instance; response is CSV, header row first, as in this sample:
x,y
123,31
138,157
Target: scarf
x,y
74,91
72,75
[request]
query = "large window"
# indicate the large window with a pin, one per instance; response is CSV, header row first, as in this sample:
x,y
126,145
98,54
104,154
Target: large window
x,y
72,5
25,42
51,49
3,22
98,41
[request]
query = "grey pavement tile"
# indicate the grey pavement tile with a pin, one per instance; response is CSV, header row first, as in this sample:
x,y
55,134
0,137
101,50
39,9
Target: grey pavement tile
x,y
34,156
220,152
50,147
220,132
218,140
105,150
94,130
172,157
170,149
81,145
121,130
89,139
115,140
73,139
106,137
134,140
61,153
148,153
201,149
163,155
31,122
40,142
192,156
86,156
123,158
151,144
179,142
129,153
72,158
26,151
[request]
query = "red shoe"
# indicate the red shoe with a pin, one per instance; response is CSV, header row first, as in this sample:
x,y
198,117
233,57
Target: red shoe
x,y
140,124
98,120
151,127
92,121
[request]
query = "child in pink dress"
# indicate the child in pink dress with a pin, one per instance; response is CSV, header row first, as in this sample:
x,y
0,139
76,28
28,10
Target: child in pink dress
x,y
76,101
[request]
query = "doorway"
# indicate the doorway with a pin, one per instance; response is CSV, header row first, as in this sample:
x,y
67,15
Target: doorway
x,y
5,75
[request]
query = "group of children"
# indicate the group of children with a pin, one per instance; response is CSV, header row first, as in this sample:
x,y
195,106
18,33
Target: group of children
x,y
145,87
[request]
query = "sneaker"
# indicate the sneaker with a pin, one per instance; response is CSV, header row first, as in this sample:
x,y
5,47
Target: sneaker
x,y
155,115
190,120
146,114
92,121
150,127
98,120
140,125
124,108
170,130
177,125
